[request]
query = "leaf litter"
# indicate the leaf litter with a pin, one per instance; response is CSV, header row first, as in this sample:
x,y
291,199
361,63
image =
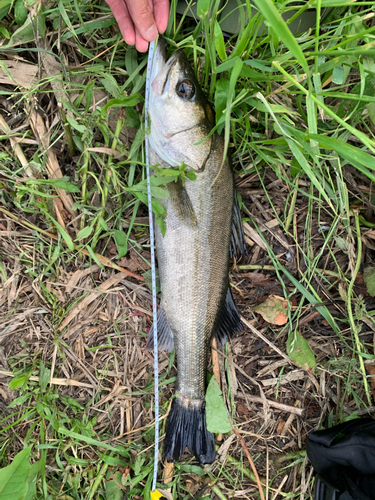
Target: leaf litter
x,y
74,375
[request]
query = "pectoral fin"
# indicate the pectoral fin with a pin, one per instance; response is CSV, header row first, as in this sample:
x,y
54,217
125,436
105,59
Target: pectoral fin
x,y
181,203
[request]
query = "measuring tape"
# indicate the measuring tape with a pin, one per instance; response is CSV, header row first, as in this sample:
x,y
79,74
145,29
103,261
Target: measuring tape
x,y
151,51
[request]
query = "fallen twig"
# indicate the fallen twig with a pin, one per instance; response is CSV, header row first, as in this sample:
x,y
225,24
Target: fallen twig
x,y
274,404
243,444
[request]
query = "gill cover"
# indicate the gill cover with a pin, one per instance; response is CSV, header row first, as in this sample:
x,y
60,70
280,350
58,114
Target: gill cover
x,y
180,114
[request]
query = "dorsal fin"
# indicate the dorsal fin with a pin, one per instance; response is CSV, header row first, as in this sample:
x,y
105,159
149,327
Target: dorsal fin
x,y
237,237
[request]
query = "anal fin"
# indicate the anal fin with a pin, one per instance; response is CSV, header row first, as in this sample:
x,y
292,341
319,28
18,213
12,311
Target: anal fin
x,y
229,321
165,337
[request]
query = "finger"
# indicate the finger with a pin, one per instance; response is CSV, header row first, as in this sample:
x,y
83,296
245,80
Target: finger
x,y
122,16
141,14
140,43
161,14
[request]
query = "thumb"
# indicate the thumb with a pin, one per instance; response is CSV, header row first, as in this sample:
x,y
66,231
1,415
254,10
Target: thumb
x,y
143,18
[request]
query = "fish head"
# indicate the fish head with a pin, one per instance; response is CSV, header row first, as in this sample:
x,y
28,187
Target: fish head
x,y
180,113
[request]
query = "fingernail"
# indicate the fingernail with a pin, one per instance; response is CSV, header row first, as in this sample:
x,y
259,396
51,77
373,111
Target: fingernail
x,y
151,33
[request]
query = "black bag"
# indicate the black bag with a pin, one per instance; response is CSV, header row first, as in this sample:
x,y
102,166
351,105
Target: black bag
x,y
344,458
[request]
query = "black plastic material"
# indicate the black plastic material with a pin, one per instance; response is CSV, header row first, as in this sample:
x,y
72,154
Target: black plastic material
x,y
325,490
344,458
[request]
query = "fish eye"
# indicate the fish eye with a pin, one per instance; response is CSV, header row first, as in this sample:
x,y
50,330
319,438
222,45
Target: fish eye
x,y
185,89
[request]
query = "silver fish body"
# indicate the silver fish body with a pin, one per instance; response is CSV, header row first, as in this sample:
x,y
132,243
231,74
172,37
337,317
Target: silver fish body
x,y
193,255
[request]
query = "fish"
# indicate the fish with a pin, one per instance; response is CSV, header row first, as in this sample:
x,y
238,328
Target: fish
x,y
203,228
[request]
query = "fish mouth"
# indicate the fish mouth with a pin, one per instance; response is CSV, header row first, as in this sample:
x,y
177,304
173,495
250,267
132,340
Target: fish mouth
x,y
161,67
159,59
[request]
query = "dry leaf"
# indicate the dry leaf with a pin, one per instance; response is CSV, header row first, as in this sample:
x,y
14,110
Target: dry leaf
x,y
280,426
168,472
274,310
371,371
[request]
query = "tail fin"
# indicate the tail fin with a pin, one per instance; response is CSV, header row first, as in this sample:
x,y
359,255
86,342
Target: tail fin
x,y
187,428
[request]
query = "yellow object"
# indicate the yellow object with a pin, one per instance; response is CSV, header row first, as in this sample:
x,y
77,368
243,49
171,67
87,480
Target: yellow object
x,y
155,495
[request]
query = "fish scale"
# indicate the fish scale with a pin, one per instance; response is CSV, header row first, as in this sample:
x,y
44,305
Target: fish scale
x,y
193,255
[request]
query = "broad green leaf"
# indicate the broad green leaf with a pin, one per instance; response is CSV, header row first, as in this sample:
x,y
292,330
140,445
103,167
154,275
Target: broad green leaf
x,y
138,464
25,33
111,86
254,76
4,8
203,6
338,75
13,479
80,128
221,92
369,279
84,233
261,65
89,92
44,377
157,208
227,65
17,382
21,400
273,16
114,489
131,60
31,481
121,241
192,469
160,220
103,223
20,12
62,184
159,192
126,100
216,411
191,175
219,41
156,190
342,243
299,351
132,118
4,32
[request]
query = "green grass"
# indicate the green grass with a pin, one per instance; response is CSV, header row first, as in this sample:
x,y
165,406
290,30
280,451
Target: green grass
x,y
298,107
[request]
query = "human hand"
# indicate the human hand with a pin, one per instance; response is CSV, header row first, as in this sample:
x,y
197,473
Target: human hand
x,y
140,21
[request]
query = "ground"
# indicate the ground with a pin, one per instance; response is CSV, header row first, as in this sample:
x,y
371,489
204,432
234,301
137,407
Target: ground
x,y
76,382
